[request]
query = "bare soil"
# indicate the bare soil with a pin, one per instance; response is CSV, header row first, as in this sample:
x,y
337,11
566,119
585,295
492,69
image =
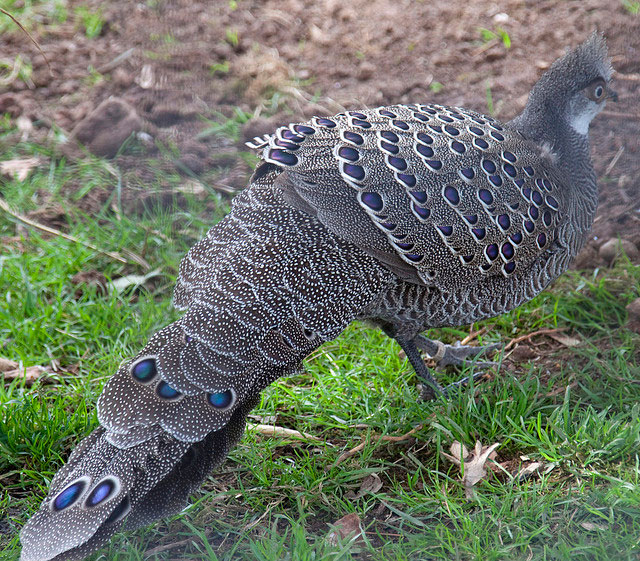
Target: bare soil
x,y
170,63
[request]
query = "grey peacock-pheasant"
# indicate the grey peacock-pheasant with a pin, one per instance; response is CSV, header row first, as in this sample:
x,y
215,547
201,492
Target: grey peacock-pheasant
x,y
407,216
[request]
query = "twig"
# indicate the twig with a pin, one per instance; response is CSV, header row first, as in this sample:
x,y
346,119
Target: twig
x,y
375,437
29,35
273,430
614,161
135,259
517,340
473,335
109,66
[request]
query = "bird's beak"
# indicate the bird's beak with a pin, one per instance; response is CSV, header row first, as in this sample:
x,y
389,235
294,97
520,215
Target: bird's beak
x,y
613,96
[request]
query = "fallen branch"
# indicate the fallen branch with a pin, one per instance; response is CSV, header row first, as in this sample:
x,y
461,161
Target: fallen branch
x,y
528,336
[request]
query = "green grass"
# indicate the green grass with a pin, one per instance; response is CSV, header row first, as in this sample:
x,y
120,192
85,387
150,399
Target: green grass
x,y
574,410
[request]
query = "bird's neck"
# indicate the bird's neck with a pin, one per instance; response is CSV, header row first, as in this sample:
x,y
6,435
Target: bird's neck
x,y
549,127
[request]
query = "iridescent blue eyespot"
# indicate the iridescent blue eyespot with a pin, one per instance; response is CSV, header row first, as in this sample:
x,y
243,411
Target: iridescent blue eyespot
x,y
436,128
101,492
552,202
434,164
479,233
348,153
529,170
354,171
304,129
471,218
519,182
360,123
491,251
165,391
480,143
388,225
386,113
453,131
398,163
400,124
425,151
507,250
504,221
353,137
546,218
458,147
477,131
390,136
420,196
404,246
420,211
467,173
534,212
414,257
536,197
542,240
451,194
529,226
457,116
496,180
287,145
509,156
293,137
357,114
389,147
70,494
526,191
372,200
509,267
408,179
145,370
497,136
421,117
424,138
221,400
485,196
282,157
509,170
446,230
445,118
516,237
488,166
327,123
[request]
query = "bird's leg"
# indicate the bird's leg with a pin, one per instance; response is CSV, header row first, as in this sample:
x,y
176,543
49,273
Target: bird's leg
x,y
432,388
455,354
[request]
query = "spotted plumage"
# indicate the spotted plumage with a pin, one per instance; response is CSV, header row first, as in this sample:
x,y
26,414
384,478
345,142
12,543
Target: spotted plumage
x,y
407,216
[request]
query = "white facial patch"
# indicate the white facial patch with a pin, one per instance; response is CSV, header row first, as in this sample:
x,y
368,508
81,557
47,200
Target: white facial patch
x,y
580,122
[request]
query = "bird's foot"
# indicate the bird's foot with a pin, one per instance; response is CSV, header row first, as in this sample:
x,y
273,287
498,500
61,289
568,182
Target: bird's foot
x,y
455,354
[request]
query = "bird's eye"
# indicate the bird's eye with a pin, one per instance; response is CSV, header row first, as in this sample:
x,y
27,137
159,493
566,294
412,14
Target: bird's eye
x,y
596,91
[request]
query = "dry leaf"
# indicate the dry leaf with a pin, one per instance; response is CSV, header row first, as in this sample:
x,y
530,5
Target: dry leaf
x,y
25,126
590,526
30,374
348,527
6,364
19,168
526,471
122,283
565,340
370,484
271,430
472,464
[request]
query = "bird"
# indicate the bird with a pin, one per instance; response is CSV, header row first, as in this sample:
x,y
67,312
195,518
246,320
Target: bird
x,y
409,217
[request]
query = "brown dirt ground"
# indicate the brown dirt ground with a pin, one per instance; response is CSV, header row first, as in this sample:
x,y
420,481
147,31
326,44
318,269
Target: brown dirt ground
x,y
297,58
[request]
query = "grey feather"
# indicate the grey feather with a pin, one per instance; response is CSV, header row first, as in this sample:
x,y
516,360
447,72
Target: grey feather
x,y
408,216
